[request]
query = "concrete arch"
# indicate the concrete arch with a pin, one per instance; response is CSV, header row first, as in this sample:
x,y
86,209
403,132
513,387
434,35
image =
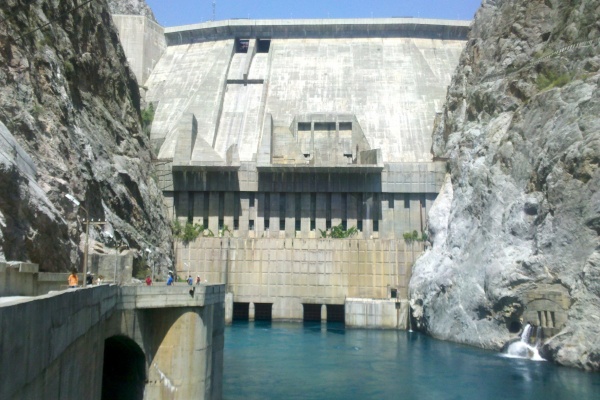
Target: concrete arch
x,y
124,370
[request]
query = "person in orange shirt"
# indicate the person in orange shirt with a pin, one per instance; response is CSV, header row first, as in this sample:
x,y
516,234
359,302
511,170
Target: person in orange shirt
x,y
73,280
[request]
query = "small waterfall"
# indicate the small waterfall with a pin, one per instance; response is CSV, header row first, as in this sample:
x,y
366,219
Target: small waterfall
x,y
522,348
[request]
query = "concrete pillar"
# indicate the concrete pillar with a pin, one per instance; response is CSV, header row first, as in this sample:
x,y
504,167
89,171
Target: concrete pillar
x,y
324,312
321,213
305,213
180,340
229,209
274,215
259,223
251,312
169,201
228,308
244,214
213,212
290,215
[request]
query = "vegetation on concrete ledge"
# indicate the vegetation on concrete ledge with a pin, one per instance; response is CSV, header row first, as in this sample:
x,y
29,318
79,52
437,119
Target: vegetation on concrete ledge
x,y
339,232
414,236
186,233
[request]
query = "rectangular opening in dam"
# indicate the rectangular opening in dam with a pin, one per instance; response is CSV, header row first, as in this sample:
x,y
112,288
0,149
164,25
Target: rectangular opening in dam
x,y
263,311
263,45
241,45
312,312
335,313
241,311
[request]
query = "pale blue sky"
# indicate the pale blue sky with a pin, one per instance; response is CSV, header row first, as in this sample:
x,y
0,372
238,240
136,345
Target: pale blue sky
x,y
182,12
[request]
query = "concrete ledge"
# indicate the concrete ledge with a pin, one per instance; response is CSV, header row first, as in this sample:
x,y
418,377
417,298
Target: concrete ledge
x,y
322,28
376,314
141,297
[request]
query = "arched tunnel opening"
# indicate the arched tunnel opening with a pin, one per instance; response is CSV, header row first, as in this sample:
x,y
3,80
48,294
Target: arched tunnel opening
x,y
124,371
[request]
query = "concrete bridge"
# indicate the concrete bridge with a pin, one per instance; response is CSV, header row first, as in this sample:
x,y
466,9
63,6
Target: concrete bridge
x,y
111,342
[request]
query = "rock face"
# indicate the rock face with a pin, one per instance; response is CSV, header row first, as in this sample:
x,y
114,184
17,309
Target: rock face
x,y
131,7
68,99
515,230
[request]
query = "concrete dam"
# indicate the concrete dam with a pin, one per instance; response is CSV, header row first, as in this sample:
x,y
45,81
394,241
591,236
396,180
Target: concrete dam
x,y
274,135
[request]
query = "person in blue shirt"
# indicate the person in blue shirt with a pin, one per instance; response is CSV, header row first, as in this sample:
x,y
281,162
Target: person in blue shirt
x,y
170,280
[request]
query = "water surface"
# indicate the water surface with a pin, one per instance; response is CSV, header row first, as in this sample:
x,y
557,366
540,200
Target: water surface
x,y
291,360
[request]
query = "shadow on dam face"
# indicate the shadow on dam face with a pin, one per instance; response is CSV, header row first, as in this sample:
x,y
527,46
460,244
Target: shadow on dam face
x,y
124,371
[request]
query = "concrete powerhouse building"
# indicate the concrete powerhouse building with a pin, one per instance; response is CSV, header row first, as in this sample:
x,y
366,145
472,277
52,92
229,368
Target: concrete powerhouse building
x,y
270,133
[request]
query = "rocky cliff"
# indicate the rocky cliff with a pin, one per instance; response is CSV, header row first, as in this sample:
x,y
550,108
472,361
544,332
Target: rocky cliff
x,y
515,230
71,105
131,7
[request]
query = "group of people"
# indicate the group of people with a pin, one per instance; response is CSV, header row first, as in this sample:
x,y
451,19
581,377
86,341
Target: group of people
x,y
171,280
73,279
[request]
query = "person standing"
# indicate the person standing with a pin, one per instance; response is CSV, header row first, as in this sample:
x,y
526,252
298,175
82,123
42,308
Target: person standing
x,y
197,280
148,281
170,280
73,280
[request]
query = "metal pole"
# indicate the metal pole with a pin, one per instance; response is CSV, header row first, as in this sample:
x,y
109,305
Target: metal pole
x,y
116,258
85,251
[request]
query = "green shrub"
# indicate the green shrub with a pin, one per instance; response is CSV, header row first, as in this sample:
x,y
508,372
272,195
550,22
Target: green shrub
x,y
147,118
550,79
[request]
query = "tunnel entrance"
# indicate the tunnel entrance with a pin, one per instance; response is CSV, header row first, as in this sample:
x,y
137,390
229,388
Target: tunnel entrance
x,y
263,311
335,313
312,312
241,311
124,371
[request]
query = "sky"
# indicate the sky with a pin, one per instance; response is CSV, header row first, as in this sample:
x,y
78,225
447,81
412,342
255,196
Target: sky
x,y
183,12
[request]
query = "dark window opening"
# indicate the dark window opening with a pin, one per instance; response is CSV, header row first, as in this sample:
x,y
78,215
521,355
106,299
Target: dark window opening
x,y
236,224
313,225
251,224
359,225
312,312
391,201
335,313
241,311
306,155
394,293
376,225
241,45
345,224
263,45
221,208
297,224
345,126
406,201
304,126
267,224
251,200
282,224
324,126
328,224
263,311
221,223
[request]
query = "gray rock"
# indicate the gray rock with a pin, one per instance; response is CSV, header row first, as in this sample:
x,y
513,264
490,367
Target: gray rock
x,y
131,7
72,107
515,229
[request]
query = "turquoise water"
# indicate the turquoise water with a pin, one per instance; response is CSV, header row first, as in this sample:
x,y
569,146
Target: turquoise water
x,y
291,360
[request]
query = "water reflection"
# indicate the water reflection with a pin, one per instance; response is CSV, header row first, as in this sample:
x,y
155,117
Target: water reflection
x,y
288,360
